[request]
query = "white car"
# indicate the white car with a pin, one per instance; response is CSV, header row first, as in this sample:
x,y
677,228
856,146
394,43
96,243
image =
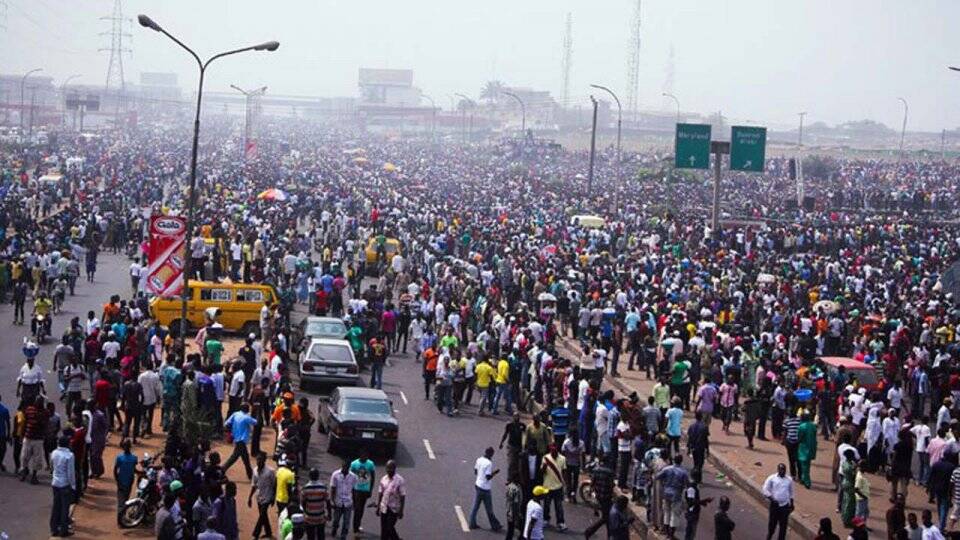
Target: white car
x,y
328,361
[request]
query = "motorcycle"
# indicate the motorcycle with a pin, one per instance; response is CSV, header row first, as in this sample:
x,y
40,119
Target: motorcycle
x,y
585,489
143,508
40,326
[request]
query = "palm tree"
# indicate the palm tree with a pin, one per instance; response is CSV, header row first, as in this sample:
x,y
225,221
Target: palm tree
x,y
491,91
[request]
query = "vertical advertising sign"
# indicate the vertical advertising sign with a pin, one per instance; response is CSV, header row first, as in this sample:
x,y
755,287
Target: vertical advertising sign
x,y
168,236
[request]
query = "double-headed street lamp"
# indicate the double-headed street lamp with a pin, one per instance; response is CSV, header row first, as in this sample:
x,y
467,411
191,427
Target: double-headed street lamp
x,y
464,114
523,110
903,129
63,95
23,81
147,22
675,100
619,124
433,115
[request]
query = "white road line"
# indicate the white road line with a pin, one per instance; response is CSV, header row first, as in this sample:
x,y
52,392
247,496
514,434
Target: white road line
x,y
404,398
426,443
462,518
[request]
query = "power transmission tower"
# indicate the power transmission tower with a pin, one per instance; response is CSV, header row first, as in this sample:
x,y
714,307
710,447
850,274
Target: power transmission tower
x,y
567,59
115,78
633,61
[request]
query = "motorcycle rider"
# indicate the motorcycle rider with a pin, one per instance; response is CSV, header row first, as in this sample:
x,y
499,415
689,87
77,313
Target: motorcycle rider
x,y
41,306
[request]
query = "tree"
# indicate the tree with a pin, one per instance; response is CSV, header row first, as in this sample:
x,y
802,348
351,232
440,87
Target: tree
x,y
491,91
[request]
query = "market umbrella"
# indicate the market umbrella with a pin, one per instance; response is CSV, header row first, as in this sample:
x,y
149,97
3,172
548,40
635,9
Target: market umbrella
x,y
828,306
766,278
272,194
389,167
360,160
547,297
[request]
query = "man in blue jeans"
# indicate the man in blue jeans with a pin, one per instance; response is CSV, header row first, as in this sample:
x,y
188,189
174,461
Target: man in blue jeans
x,y
484,471
64,483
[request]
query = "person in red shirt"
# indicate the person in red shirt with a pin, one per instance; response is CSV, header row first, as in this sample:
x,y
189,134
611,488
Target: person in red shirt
x,y
321,304
101,391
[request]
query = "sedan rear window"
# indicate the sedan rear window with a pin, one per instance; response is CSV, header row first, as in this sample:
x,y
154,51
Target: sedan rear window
x,y
326,329
330,353
365,406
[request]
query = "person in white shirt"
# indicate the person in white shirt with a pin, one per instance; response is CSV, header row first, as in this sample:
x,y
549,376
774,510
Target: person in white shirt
x,y
152,390
921,434
484,472
30,381
778,489
533,526
895,397
238,385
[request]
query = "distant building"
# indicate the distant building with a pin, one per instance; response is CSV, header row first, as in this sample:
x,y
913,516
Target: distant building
x,y
388,87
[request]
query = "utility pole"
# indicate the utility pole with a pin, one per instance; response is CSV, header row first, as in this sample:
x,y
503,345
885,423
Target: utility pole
x,y
23,81
619,123
800,186
675,100
593,148
523,111
33,105
903,130
719,148
943,145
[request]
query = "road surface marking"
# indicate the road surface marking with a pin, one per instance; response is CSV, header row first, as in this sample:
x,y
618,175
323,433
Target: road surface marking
x,y
404,398
430,455
461,518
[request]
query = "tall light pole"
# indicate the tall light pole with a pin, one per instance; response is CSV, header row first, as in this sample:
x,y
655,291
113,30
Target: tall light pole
x,y
472,107
147,22
63,96
675,100
523,110
619,123
903,129
249,96
800,132
23,81
433,115
593,148
799,165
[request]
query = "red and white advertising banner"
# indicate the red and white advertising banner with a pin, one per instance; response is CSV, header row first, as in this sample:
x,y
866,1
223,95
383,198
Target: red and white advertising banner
x,y
166,254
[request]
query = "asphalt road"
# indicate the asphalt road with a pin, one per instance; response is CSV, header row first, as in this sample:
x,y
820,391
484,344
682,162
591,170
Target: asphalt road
x,y
17,497
439,476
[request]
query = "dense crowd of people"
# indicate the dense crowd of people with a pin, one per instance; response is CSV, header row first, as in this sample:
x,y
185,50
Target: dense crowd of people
x,y
501,294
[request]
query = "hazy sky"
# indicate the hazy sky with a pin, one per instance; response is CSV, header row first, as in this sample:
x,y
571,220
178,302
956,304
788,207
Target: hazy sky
x,y
759,60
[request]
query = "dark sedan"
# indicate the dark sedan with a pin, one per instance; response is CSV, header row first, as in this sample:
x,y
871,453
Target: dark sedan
x,y
356,417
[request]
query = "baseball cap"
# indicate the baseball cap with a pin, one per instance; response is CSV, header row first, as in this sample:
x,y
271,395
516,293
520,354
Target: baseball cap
x,y
540,491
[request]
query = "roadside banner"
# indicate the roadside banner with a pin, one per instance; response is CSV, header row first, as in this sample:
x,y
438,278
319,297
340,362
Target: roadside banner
x,y
166,255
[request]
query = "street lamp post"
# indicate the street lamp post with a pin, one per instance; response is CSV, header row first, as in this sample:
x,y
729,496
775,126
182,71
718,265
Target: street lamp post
x,y
903,129
593,148
63,96
619,124
23,81
675,100
464,113
147,22
800,132
433,115
523,110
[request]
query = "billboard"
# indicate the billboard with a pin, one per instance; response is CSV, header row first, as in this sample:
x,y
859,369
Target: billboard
x,y
166,255
386,77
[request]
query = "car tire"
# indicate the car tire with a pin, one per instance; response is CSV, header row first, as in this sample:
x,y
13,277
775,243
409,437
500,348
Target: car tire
x,y
250,327
332,445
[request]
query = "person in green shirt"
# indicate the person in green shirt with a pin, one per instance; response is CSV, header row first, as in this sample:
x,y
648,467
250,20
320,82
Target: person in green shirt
x,y
355,337
680,381
214,350
449,341
365,470
807,450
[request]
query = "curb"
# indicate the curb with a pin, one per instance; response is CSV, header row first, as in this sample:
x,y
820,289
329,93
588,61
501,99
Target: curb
x,y
735,476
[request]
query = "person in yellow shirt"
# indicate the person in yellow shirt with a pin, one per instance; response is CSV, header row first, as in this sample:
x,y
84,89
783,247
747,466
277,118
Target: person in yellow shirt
x,y
504,390
485,374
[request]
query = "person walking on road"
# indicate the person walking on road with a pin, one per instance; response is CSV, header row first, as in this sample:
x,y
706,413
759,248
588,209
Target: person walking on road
x,y
778,489
514,499
553,470
723,526
6,432
674,479
124,471
393,498
64,484
619,520
601,481
365,471
264,486
533,525
34,431
342,482
698,443
240,425
484,472
807,449
694,503
315,500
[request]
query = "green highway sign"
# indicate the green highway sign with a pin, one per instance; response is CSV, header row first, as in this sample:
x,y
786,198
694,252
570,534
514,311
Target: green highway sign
x,y
692,148
747,148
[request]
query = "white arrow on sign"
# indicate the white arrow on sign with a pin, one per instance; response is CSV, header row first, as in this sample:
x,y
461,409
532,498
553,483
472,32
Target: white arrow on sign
x,y
748,163
693,160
